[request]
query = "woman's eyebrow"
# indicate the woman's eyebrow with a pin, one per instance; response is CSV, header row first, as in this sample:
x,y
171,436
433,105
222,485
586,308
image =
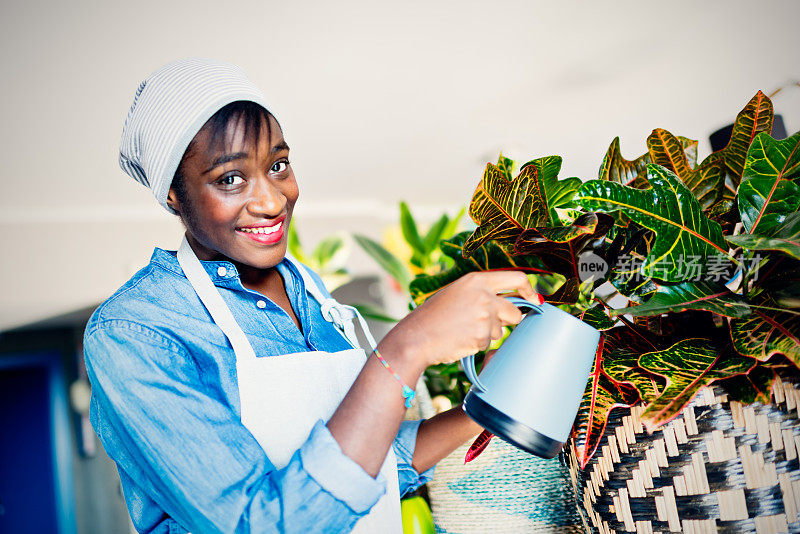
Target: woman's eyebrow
x,y
225,158
280,145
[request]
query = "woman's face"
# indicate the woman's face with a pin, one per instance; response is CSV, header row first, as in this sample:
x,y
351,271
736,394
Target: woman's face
x,y
239,196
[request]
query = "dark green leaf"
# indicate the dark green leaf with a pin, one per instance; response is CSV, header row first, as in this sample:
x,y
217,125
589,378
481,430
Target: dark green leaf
x,y
769,191
670,210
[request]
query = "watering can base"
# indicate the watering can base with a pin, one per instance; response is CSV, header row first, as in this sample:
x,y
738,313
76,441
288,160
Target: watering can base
x,y
507,429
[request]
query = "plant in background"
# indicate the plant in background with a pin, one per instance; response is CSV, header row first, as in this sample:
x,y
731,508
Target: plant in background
x,y
706,257
328,258
425,256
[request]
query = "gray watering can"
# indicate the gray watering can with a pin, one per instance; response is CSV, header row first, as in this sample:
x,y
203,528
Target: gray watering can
x,y
529,392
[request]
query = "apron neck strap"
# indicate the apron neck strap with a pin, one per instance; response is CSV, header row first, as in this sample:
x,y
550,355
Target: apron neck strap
x,y
212,300
340,315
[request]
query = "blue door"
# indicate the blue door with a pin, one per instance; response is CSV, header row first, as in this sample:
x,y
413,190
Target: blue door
x,y
31,434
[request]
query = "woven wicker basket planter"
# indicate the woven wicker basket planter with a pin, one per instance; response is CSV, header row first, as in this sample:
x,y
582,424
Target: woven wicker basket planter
x,y
502,490
719,467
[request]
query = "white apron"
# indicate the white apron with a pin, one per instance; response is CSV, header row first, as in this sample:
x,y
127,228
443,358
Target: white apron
x,y
282,397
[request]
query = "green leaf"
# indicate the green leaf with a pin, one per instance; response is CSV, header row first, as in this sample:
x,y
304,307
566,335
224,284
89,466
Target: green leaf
x,y
597,318
769,191
409,229
600,397
385,259
435,234
667,208
705,181
452,226
560,246
687,366
710,296
327,249
488,257
755,386
767,332
503,208
784,238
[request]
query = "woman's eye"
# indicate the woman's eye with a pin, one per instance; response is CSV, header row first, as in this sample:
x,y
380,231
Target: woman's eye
x,y
232,179
280,166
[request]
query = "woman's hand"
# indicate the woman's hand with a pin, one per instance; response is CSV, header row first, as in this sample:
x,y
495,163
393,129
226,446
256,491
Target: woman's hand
x,y
462,318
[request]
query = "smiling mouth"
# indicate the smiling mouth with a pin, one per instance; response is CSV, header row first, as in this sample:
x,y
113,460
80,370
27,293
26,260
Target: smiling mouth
x,y
262,230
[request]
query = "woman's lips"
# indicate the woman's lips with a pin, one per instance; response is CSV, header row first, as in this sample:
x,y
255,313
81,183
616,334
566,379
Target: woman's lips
x,y
263,234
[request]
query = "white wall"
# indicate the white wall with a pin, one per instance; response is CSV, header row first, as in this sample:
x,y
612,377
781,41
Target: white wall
x,y
380,102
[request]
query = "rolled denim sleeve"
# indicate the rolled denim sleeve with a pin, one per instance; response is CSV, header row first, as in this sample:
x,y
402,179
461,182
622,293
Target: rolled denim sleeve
x,y
187,449
403,446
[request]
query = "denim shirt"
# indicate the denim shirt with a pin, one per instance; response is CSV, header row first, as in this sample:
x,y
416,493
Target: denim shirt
x,y
165,405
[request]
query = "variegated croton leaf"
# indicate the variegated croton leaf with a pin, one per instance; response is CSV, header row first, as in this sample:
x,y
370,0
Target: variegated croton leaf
x,y
597,317
503,208
705,181
780,278
770,190
683,233
687,366
616,168
489,256
559,246
622,348
756,117
768,330
601,396
700,295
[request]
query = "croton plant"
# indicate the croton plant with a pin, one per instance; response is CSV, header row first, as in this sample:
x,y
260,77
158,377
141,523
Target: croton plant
x,y
704,256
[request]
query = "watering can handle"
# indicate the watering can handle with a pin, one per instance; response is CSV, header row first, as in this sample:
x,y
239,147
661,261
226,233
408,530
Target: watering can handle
x,y
468,362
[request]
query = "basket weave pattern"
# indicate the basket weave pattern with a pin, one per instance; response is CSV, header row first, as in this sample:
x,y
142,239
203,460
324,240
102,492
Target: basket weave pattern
x,y
504,490
718,467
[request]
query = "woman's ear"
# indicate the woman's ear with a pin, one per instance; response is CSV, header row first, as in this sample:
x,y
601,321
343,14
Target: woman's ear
x,y
172,200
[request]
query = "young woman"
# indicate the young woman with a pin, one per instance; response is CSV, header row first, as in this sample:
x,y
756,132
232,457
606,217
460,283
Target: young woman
x,y
227,384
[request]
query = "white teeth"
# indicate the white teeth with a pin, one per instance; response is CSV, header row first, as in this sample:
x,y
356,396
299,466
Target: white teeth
x,y
263,229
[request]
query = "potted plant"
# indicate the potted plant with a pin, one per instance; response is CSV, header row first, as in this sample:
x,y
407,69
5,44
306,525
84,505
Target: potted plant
x,y
705,258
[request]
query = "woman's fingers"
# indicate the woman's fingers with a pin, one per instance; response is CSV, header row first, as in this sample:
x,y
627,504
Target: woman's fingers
x,y
504,281
507,312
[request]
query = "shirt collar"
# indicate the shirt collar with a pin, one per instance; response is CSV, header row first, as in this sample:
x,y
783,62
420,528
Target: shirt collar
x,y
218,271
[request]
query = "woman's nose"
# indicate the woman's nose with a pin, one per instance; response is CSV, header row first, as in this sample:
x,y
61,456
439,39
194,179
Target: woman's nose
x,y
267,200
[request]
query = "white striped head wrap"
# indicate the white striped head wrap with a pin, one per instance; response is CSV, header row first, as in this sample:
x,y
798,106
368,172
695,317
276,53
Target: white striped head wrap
x,y
169,108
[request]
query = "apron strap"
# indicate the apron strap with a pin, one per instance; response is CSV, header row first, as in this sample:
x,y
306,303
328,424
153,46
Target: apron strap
x,y
341,315
212,300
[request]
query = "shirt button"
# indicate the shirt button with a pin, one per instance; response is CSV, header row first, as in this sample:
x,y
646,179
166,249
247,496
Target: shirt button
x,y
222,271
261,304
